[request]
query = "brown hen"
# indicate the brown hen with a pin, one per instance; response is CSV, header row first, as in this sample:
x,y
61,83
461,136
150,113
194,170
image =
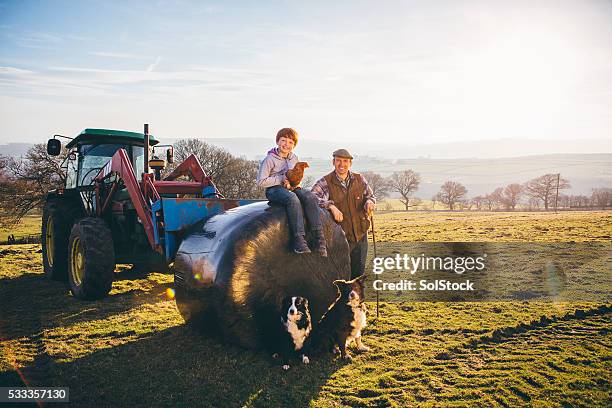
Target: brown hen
x,y
296,174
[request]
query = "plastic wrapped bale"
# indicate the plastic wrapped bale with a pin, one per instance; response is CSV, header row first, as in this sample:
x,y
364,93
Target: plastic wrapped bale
x,y
233,270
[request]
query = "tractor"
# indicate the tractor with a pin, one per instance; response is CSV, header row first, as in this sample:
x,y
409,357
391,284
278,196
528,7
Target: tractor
x,y
113,209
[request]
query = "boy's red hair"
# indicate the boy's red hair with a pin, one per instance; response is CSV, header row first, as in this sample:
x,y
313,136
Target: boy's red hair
x,y
289,133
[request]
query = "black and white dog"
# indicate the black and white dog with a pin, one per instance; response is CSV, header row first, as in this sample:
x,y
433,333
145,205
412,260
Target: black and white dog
x,y
343,322
294,329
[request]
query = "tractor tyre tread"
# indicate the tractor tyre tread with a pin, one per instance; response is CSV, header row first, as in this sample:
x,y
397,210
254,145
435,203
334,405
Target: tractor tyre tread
x,y
99,259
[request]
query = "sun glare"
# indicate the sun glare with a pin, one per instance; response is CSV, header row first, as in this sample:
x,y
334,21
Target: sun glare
x,y
528,73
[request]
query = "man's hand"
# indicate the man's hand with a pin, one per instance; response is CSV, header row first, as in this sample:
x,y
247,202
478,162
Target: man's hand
x,y
286,184
337,214
369,207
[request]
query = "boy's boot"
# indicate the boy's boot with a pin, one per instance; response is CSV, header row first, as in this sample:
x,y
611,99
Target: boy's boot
x,y
321,243
300,246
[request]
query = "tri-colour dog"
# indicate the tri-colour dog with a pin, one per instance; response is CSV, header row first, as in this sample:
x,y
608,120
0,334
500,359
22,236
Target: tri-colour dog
x,y
343,321
294,330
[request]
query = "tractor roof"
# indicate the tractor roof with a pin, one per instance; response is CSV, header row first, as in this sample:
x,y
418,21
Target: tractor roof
x,y
110,136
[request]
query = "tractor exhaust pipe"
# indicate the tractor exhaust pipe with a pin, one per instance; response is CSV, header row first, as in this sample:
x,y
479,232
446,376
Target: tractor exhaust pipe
x,y
146,148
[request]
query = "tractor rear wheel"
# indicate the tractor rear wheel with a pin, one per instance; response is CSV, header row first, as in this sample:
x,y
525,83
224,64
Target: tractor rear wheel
x,y
91,259
55,232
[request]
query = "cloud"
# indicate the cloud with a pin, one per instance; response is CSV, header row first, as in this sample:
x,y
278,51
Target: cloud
x,y
78,37
154,65
207,9
62,82
14,71
38,40
119,55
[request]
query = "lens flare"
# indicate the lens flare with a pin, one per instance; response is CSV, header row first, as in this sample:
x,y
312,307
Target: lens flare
x,y
170,293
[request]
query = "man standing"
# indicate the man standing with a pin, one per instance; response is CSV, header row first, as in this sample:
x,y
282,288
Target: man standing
x,y
350,200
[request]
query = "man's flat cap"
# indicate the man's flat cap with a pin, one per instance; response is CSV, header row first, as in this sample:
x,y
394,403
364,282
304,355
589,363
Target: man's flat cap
x,y
343,153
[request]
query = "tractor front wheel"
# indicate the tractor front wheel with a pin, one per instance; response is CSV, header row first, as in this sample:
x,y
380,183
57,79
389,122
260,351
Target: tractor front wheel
x,y
58,217
91,259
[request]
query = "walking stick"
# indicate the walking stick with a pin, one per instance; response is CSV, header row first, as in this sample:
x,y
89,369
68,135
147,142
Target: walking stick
x,y
375,256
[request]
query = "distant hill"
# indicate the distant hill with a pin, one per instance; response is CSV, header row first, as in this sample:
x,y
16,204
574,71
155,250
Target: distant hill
x,y
407,148
15,149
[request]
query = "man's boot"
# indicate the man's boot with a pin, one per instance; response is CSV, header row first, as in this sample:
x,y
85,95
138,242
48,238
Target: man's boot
x,y
300,246
321,244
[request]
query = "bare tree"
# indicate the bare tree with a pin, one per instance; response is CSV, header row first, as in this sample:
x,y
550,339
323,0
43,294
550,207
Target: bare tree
x,y
563,201
4,174
580,201
25,182
379,185
583,201
3,164
233,176
214,159
512,195
571,199
497,196
602,197
533,204
6,187
478,201
489,201
451,193
507,197
243,173
545,187
405,183
462,205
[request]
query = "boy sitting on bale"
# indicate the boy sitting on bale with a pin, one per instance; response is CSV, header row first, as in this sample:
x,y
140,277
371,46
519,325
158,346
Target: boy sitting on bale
x,y
272,176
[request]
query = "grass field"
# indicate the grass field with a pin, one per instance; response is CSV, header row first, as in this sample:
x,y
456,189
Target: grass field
x,y
447,226
133,348
28,225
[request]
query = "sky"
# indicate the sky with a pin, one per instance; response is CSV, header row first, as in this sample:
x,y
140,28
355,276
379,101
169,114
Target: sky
x,y
365,71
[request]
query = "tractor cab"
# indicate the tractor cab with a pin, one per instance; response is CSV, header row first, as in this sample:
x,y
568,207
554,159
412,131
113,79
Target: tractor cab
x,y
93,148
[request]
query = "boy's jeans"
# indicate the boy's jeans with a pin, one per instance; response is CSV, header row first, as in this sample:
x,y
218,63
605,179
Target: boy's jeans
x,y
293,202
